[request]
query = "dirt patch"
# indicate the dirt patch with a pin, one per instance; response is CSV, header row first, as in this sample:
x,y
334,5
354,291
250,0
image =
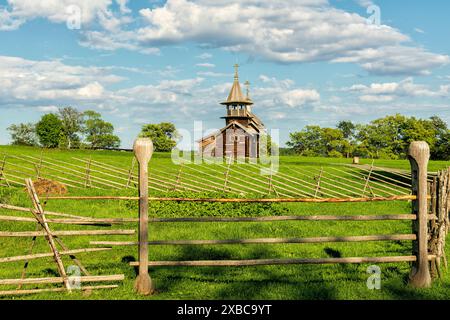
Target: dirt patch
x,y
44,187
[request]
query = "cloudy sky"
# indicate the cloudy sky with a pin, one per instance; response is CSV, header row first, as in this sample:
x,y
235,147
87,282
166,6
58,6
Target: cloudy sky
x,y
147,61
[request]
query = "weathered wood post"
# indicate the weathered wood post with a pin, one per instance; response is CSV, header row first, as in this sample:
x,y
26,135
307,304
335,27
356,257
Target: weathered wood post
x,y
143,150
419,154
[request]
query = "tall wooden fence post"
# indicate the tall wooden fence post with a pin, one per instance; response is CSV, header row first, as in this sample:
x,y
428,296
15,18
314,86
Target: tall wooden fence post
x,y
419,154
143,150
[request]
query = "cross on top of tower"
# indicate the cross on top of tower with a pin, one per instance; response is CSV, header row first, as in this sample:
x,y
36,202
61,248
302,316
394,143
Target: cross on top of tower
x,y
236,71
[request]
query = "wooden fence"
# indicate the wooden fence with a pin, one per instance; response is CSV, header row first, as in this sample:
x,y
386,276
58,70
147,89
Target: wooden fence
x,y
57,249
429,219
421,218
331,181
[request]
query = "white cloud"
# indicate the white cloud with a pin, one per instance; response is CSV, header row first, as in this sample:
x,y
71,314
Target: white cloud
x,y
287,32
205,56
36,82
46,109
418,30
213,74
281,31
206,65
369,98
56,11
278,94
396,60
386,92
299,97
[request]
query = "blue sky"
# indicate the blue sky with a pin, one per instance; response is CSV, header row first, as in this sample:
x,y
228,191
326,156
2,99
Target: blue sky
x,y
309,61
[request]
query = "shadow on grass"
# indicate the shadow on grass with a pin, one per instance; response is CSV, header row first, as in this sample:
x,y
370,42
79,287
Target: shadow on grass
x,y
261,282
302,282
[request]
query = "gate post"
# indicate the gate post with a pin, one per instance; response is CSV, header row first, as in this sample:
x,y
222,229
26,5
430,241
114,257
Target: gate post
x,y
419,154
143,150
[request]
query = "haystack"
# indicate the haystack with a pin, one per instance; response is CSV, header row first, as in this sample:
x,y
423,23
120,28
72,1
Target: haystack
x,y
44,187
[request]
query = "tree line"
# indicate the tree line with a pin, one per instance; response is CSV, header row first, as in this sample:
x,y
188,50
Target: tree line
x,y
68,128
384,138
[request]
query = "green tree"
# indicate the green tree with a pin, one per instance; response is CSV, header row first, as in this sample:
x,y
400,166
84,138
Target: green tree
x,y
441,150
49,130
387,137
382,138
72,122
306,142
348,129
164,135
99,133
23,134
316,141
390,137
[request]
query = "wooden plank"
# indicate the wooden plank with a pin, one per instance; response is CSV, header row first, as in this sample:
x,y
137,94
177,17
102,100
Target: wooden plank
x,y
58,280
45,255
48,213
56,221
8,234
267,262
405,237
389,217
287,200
34,291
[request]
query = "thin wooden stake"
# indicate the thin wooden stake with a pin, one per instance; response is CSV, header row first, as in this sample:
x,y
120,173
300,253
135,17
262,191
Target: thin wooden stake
x,y
177,184
367,185
319,179
227,173
87,181
270,182
40,217
39,166
2,175
130,173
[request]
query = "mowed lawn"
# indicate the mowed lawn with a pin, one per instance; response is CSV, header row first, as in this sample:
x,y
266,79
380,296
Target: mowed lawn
x,y
267,282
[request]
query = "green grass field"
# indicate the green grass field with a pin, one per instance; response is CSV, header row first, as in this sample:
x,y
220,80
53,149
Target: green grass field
x,y
271,282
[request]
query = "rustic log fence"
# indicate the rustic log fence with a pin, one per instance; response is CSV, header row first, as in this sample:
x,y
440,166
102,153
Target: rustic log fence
x,y
429,218
57,246
420,258
333,181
